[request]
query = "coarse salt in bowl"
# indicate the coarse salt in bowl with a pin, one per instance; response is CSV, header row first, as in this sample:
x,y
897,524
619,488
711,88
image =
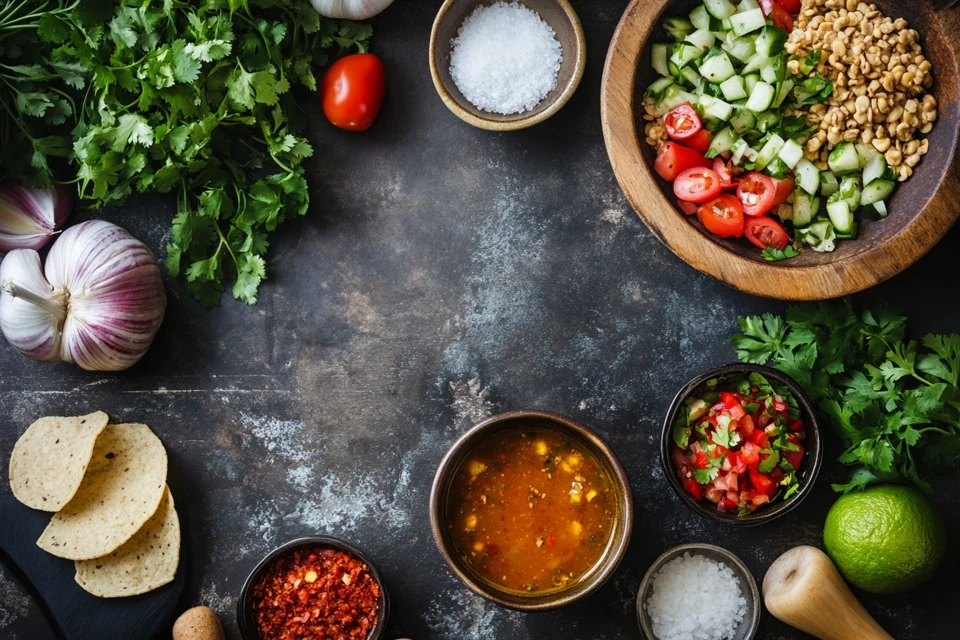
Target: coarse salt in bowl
x,y
505,58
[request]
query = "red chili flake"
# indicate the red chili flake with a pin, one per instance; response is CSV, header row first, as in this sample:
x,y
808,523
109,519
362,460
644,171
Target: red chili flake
x,y
340,603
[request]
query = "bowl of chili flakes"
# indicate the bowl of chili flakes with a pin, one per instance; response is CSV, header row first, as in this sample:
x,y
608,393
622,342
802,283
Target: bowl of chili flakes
x,y
315,587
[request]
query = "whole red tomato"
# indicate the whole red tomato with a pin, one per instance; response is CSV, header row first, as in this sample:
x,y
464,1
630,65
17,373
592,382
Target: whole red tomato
x,y
352,91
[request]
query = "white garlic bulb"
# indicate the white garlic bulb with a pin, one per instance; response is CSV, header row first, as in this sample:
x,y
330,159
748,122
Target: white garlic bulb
x,y
350,9
98,302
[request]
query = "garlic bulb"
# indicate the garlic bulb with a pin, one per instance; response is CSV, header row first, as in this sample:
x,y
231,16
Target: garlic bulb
x,y
30,217
350,9
98,302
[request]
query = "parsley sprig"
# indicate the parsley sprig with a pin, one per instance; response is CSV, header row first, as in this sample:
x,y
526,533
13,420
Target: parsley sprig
x,y
894,401
180,97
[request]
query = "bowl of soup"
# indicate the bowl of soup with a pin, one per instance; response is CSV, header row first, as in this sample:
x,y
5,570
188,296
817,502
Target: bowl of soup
x,y
531,510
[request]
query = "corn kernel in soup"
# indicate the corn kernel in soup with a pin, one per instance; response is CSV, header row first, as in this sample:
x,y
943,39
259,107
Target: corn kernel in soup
x,y
531,510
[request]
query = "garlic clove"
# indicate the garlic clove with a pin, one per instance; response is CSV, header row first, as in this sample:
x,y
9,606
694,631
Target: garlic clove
x,y
31,311
30,217
350,9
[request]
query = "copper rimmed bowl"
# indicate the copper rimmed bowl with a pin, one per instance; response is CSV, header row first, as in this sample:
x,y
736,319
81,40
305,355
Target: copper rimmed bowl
x,y
590,441
921,211
245,617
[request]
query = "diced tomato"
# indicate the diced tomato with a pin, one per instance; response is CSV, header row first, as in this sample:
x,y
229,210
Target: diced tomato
x,y
733,495
726,481
760,439
729,400
718,451
762,482
726,505
757,193
673,159
764,231
727,179
784,188
697,185
701,460
780,16
795,425
795,458
750,454
682,122
779,404
737,411
746,426
791,6
759,499
689,208
723,217
693,488
735,460
700,141
713,494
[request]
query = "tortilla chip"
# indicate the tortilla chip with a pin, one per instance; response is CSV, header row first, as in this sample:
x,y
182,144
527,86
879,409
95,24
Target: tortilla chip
x,y
51,457
119,493
145,562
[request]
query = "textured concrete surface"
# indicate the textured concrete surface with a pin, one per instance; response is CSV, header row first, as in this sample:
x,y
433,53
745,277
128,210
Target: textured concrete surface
x,y
444,273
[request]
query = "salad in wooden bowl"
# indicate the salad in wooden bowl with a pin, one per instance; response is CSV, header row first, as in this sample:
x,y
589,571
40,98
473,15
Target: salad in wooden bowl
x,y
797,150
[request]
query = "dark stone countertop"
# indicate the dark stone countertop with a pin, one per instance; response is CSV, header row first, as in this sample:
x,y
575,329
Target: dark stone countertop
x,y
444,273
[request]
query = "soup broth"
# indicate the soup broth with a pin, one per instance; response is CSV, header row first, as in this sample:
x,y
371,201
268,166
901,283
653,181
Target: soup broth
x,y
531,510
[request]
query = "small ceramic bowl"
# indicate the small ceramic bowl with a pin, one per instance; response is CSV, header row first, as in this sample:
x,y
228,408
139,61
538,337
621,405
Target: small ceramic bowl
x,y
245,619
812,459
623,519
562,19
748,586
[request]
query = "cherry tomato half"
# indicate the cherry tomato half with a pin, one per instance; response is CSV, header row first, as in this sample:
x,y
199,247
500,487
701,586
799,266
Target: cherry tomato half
x,y
697,185
700,141
781,17
723,217
682,122
673,159
688,208
764,232
792,6
757,193
352,91
727,178
784,189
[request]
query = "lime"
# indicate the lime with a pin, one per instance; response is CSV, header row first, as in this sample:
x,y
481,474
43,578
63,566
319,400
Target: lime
x,y
886,539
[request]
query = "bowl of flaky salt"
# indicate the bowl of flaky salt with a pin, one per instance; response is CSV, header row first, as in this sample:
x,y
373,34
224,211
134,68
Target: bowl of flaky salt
x,y
503,66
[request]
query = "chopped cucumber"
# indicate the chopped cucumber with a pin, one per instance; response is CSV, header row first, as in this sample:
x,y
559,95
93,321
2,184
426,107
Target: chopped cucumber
x,y
766,120
751,80
733,89
747,5
777,169
702,38
805,208
658,87
791,153
771,40
844,159
761,98
808,176
684,53
756,63
747,22
876,210
769,74
716,67
820,235
877,191
874,169
866,153
740,150
769,151
711,89
743,120
720,9
721,143
678,28
658,58
690,77
673,97
740,48
785,87
841,216
828,183
699,18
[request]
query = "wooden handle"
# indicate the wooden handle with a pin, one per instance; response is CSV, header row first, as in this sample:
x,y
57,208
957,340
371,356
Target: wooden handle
x,y
804,589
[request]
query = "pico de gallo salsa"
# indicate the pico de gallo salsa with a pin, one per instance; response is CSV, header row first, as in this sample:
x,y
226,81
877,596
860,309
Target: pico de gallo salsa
x,y
739,443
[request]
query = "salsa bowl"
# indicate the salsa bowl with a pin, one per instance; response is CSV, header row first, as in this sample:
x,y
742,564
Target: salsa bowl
x,y
531,510
811,460
921,211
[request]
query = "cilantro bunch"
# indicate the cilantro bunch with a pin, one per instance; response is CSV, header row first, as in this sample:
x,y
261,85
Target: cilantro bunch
x,y
895,402
182,97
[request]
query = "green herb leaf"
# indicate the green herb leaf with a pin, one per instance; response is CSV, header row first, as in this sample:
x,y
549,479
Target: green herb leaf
x,y
772,254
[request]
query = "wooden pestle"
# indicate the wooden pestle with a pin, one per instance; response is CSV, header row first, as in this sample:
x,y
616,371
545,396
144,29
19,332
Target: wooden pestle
x,y
804,589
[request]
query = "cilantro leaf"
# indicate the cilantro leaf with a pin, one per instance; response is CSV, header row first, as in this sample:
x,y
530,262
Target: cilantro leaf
x,y
772,254
703,476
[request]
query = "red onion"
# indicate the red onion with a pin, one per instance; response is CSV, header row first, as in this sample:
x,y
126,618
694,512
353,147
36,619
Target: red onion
x,y
30,217
98,302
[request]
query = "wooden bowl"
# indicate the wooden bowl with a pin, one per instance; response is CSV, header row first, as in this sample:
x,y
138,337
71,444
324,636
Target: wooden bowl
x,y
522,420
562,19
923,209
748,586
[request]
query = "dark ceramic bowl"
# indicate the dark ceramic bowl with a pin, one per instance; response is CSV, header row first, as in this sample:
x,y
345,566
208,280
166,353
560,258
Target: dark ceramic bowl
x,y
245,620
812,458
623,519
748,586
